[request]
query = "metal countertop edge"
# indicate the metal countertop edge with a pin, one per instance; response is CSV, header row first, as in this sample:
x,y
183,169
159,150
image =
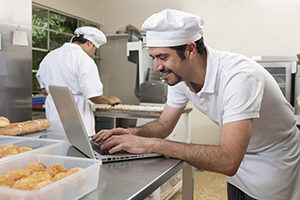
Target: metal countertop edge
x,y
156,183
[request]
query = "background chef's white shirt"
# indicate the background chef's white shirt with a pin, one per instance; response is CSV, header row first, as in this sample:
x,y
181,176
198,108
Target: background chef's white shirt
x,y
238,88
70,66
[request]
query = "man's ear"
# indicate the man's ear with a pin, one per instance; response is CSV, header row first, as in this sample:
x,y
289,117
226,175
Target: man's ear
x,y
191,50
90,43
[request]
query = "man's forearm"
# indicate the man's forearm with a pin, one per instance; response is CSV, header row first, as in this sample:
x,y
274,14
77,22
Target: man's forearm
x,y
161,127
205,157
152,129
223,158
100,100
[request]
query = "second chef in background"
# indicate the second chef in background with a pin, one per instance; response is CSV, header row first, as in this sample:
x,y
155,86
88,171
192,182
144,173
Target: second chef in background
x,y
72,65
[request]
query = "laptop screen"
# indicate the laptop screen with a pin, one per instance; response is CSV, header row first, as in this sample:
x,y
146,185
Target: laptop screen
x,y
71,119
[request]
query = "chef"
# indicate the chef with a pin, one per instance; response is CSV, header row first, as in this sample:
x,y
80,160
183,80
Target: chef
x,y
259,143
72,65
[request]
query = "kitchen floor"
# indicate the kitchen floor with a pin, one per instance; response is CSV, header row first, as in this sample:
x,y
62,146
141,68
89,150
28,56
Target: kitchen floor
x,y
207,186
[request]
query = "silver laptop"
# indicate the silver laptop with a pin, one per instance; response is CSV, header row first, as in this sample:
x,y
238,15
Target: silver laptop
x,y
76,132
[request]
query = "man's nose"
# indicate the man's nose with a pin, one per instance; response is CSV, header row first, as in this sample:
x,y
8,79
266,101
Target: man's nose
x,y
157,66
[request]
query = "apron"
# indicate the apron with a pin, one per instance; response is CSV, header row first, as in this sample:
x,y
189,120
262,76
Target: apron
x,y
56,130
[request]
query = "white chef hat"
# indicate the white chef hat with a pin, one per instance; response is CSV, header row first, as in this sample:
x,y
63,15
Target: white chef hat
x,y
170,28
92,34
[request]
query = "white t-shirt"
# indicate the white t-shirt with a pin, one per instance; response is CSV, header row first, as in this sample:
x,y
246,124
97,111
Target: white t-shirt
x,y
70,66
238,88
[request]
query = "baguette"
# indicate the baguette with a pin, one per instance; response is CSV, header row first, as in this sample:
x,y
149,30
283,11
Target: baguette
x,y
29,126
4,121
12,129
43,123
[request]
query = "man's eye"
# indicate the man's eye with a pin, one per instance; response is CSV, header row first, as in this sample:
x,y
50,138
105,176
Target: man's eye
x,y
163,57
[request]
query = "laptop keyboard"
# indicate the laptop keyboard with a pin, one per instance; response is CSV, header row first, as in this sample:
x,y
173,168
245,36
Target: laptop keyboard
x,y
97,147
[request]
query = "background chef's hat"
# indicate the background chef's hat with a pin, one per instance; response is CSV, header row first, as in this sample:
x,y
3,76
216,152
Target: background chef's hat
x,y
170,28
92,34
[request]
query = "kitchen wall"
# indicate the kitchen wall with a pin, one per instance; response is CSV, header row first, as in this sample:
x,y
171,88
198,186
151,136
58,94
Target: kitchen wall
x,y
251,27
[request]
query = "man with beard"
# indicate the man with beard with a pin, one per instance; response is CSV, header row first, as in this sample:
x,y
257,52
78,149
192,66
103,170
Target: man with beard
x,y
259,144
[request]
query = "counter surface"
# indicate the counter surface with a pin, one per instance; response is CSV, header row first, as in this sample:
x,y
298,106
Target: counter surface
x,y
134,179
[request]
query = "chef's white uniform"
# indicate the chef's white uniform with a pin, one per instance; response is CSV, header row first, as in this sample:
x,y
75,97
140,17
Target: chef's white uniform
x,y
237,88
70,66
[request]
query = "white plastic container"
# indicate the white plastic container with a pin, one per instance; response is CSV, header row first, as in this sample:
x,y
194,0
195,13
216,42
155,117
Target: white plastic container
x,y
42,146
72,187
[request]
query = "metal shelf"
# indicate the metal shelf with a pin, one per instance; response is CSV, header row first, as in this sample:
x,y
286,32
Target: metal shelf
x,y
114,35
176,189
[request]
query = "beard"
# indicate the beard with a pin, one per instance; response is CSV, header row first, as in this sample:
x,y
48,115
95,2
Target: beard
x,y
170,81
174,82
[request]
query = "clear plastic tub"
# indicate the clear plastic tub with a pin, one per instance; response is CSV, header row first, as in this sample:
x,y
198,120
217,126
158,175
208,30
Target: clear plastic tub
x,y
43,146
71,187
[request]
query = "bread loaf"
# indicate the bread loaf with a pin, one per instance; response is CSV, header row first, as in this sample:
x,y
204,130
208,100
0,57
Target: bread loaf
x,y
4,121
131,27
12,129
29,126
43,123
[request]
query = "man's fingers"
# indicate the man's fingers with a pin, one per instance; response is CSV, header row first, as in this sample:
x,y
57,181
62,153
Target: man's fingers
x,y
115,149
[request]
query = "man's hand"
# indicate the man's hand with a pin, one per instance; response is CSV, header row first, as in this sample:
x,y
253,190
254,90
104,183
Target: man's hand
x,y
105,100
105,134
114,100
130,143
118,139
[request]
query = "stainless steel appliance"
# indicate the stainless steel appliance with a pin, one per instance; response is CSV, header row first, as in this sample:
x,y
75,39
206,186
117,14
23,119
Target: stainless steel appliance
x,y
283,69
15,60
148,82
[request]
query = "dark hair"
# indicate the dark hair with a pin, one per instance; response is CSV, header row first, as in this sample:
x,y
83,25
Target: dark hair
x,y
79,39
199,46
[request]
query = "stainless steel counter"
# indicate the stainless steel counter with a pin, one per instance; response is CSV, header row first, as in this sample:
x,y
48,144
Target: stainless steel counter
x,y
138,178
130,114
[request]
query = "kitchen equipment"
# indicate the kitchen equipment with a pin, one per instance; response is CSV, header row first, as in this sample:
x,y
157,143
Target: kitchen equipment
x,y
148,82
15,61
283,69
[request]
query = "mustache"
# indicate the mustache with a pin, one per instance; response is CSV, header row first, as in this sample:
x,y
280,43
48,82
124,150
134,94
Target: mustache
x,y
165,70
